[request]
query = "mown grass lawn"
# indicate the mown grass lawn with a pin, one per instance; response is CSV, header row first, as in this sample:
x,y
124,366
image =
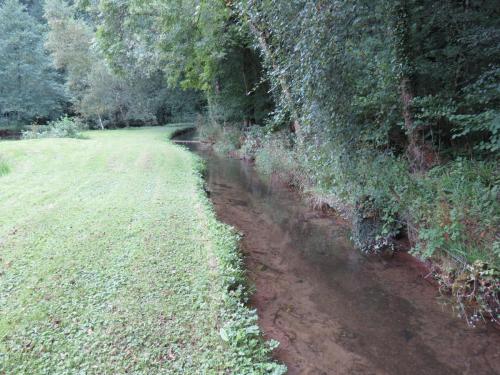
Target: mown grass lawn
x,y
111,262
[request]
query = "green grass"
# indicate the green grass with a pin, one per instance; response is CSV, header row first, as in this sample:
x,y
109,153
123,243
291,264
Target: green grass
x,y
112,261
4,167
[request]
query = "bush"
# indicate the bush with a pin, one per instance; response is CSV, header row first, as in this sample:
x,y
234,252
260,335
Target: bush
x,y
65,127
277,157
208,130
252,142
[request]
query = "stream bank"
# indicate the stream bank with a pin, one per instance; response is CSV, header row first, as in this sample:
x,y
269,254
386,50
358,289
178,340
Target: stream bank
x,y
333,309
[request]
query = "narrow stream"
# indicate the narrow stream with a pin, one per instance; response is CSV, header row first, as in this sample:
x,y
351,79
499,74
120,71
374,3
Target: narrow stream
x,y
334,310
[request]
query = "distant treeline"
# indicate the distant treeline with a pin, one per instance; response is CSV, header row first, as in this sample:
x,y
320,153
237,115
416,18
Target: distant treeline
x,y
51,64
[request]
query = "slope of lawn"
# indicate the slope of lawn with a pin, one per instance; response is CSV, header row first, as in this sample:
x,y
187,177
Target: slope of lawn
x,y
112,262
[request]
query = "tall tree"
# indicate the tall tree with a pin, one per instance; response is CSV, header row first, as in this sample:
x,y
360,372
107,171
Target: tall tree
x,y
29,86
70,42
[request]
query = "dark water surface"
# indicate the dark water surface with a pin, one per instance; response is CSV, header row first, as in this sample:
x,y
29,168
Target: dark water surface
x,y
7,134
334,310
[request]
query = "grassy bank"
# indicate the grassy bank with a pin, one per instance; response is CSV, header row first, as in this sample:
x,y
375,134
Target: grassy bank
x,y
112,261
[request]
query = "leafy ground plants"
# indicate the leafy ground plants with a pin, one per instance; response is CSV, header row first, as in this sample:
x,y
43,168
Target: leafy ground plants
x,y
112,261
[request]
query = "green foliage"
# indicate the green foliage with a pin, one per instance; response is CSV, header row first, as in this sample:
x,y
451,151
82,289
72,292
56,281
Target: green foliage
x,y
339,73
453,211
202,47
481,96
229,140
208,130
276,157
34,8
65,127
476,290
457,209
253,137
29,86
69,40
104,97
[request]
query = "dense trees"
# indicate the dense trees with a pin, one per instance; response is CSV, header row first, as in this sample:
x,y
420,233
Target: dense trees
x,y
411,66
29,86
425,54
72,75
99,93
197,45
398,109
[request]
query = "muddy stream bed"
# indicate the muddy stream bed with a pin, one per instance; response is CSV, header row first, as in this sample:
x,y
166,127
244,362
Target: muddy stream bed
x,y
333,309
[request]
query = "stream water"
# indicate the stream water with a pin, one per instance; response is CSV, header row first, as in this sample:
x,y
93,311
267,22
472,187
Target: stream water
x,y
333,309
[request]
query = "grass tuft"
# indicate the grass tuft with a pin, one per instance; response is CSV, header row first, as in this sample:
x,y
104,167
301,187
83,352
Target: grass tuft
x,y
4,167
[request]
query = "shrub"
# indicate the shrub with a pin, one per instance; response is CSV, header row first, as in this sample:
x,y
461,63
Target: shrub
x,y
277,157
476,291
208,130
252,142
65,127
229,141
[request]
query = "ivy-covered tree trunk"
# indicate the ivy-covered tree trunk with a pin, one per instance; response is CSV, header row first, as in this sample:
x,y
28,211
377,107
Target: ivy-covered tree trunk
x,y
415,148
420,154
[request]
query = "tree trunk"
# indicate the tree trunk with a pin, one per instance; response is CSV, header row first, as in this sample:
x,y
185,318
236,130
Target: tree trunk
x,y
415,148
100,122
421,155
